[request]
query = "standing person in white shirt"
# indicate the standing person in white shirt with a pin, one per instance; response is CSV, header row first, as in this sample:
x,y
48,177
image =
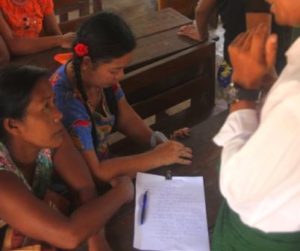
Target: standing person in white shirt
x,y
260,165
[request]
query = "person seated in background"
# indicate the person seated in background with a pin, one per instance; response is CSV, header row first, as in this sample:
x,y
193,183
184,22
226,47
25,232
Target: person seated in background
x,y
34,144
90,97
236,16
4,54
30,26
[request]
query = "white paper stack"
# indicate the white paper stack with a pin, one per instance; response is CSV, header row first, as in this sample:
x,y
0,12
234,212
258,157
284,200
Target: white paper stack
x,y
175,214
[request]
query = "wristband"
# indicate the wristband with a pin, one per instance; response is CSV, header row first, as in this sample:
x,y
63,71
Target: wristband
x,y
156,136
234,93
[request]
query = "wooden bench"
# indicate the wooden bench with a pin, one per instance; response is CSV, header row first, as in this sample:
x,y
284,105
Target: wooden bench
x,y
188,74
168,69
64,7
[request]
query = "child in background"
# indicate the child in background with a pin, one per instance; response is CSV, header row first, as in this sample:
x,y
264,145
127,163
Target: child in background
x,y
30,26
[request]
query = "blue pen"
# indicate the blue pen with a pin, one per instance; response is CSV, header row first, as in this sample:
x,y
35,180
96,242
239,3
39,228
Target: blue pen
x,y
144,206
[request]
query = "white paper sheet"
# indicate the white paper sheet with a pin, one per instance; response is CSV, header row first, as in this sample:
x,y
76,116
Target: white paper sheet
x,y
175,214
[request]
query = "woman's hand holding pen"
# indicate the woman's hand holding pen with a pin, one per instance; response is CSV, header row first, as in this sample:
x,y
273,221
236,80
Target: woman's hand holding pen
x,y
171,152
125,185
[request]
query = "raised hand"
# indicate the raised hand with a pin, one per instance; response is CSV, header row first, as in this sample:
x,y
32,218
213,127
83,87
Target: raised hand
x,y
253,55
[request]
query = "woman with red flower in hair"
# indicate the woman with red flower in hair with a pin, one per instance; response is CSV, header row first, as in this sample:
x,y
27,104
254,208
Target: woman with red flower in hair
x,y
92,102
23,21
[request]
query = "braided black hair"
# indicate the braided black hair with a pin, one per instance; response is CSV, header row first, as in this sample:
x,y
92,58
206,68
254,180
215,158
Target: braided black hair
x,y
77,66
107,37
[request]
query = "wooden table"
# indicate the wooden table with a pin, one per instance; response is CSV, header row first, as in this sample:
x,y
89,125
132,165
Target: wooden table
x,y
166,69
148,29
206,157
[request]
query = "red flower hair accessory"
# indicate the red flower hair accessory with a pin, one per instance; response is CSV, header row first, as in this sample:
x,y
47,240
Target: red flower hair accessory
x,y
81,49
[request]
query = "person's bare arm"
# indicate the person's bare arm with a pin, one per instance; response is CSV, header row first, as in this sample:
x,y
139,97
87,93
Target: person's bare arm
x,y
130,123
166,153
23,46
203,11
199,30
23,211
4,53
51,26
71,167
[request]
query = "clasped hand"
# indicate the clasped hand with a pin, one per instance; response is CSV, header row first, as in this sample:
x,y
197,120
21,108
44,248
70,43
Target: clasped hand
x,y
253,55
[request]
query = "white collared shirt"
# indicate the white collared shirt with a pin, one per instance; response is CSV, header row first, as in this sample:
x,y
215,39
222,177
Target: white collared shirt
x,y
260,166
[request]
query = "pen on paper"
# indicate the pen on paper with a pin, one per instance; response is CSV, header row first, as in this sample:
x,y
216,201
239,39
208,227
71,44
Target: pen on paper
x,y
144,207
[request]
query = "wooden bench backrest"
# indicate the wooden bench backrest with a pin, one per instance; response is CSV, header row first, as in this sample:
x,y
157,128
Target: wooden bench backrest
x,y
63,7
167,82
